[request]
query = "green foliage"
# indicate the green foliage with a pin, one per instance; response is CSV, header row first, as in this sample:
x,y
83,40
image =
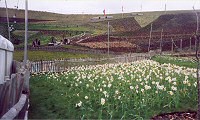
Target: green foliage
x,y
175,60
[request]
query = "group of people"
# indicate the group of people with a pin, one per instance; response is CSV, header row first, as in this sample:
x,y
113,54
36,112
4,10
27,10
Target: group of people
x,y
36,43
52,42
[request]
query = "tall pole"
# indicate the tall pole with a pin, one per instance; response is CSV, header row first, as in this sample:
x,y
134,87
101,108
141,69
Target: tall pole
x,y
26,32
190,43
181,44
150,38
122,10
108,38
197,30
161,41
172,49
7,20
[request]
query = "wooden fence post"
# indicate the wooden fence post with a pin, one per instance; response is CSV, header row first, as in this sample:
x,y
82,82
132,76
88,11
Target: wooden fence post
x,y
190,43
181,44
41,65
172,49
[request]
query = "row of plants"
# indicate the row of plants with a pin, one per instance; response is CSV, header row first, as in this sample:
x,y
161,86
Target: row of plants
x,y
137,90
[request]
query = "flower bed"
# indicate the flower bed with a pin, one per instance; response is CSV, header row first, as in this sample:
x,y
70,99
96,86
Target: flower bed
x,y
137,90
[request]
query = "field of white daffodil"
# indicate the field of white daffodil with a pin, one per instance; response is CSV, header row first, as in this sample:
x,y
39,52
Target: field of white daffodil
x,y
137,90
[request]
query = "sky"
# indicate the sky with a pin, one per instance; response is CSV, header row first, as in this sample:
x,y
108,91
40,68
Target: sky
x,y
97,6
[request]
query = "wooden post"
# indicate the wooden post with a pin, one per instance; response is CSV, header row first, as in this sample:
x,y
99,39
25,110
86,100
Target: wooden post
x,y
150,38
161,42
108,39
195,44
181,44
172,49
13,93
26,82
41,65
190,43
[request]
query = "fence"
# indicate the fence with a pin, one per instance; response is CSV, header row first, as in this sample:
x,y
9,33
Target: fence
x,y
65,64
14,94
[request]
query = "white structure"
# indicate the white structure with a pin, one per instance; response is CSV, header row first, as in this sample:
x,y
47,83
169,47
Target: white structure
x,y
6,58
101,18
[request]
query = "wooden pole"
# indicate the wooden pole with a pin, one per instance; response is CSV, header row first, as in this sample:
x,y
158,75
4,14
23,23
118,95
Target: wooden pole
x,y
8,22
190,43
161,42
150,38
181,44
172,49
108,39
26,33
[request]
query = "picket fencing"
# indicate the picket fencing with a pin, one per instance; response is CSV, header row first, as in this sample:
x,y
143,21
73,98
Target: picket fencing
x,y
65,64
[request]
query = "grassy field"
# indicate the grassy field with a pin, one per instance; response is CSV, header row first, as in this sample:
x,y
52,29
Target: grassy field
x,y
44,55
137,90
185,62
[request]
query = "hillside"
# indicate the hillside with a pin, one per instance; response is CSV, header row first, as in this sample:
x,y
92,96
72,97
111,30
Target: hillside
x,y
172,23
134,27
143,20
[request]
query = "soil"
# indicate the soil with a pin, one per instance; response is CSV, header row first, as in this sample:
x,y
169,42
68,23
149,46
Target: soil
x,y
191,115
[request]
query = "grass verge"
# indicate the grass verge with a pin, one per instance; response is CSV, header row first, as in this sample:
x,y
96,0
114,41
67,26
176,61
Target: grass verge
x,y
45,55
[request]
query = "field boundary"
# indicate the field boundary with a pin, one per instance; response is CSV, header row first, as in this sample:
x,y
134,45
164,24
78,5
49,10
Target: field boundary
x,y
60,65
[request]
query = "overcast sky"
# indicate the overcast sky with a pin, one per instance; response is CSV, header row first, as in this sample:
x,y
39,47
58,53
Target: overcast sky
x,y
97,6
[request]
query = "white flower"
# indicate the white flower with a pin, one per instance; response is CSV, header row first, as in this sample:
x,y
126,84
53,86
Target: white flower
x,y
185,81
170,92
153,82
79,104
156,92
174,88
147,87
116,92
131,87
142,90
100,89
136,87
160,87
109,85
119,97
86,97
104,92
174,83
103,101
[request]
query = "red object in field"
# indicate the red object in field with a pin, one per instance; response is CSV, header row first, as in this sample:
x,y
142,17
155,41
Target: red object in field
x,y
104,12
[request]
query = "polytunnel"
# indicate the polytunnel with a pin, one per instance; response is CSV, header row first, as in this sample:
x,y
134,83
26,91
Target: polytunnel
x,y
6,58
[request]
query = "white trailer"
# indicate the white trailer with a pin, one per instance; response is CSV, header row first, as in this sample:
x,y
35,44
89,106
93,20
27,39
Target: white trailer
x,y
6,58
